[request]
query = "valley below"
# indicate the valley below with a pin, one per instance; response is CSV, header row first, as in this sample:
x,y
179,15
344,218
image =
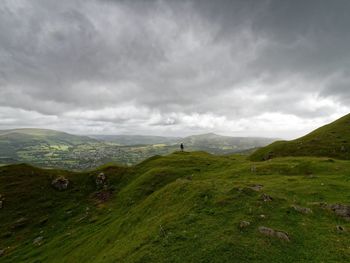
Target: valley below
x,y
286,202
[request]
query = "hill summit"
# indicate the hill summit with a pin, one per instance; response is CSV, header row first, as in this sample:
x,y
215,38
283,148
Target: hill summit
x,y
332,140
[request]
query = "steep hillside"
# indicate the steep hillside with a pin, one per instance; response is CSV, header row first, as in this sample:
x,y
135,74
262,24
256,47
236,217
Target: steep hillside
x,y
185,207
332,140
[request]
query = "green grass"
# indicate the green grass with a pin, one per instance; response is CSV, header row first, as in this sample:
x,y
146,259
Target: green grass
x,y
184,207
332,140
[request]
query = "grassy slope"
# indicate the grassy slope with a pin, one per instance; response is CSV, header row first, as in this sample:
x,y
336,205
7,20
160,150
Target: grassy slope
x,y
184,207
332,140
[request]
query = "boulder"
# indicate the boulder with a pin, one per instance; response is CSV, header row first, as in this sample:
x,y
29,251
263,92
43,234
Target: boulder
x,y
38,241
282,236
266,231
60,183
341,210
244,224
273,233
2,252
302,210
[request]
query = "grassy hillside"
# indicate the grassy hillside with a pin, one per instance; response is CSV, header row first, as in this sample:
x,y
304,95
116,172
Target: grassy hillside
x,y
332,140
184,207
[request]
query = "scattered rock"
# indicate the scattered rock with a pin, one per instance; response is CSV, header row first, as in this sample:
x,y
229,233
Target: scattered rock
x,y
273,233
60,183
341,229
262,216
20,223
303,210
341,210
43,220
266,198
282,236
101,181
38,241
267,231
256,187
244,224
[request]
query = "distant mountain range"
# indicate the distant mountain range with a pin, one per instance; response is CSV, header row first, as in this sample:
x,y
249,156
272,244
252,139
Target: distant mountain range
x,y
50,148
136,139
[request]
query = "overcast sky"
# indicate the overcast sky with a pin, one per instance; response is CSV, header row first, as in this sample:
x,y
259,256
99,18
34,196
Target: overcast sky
x,y
242,68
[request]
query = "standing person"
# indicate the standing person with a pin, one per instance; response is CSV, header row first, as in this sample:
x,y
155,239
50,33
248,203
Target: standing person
x,y
182,147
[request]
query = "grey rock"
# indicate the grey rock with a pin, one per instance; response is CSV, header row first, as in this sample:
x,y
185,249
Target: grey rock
x,y
341,210
302,210
266,231
266,198
244,224
38,241
341,229
282,236
256,187
2,252
61,183
273,233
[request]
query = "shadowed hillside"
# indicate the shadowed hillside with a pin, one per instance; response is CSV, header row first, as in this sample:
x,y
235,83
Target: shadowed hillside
x,y
332,140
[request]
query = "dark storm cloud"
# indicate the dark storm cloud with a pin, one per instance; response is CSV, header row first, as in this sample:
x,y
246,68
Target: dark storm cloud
x,y
175,66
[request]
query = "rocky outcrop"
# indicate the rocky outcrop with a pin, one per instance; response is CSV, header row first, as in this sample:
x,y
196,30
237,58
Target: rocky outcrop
x,y
60,183
101,181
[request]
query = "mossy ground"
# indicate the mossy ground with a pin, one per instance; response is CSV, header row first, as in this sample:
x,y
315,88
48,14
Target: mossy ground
x,y
184,207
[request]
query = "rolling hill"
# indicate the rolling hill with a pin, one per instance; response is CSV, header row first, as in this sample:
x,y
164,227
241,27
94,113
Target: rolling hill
x,y
332,140
132,140
184,207
55,149
50,148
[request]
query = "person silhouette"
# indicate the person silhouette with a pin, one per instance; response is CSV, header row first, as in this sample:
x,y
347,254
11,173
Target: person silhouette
x,y
182,147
